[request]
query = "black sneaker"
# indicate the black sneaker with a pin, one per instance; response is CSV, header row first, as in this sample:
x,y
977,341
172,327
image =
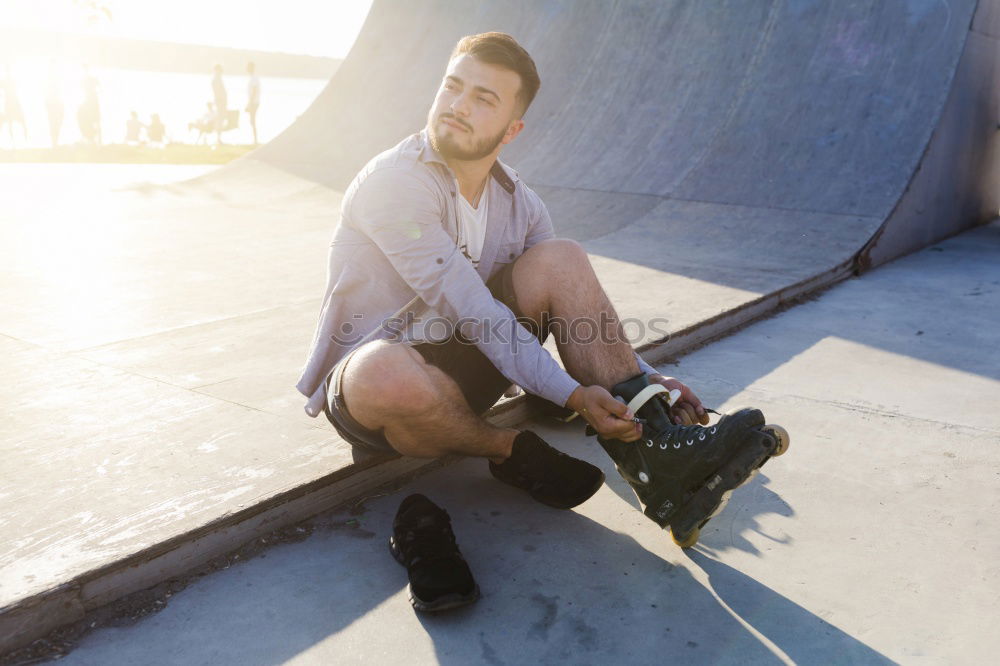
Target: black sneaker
x,y
549,476
422,541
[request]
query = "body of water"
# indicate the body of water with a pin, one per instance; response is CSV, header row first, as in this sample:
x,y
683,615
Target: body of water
x,y
178,98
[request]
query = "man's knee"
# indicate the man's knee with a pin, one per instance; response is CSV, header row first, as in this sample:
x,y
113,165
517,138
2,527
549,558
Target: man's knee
x,y
382,377
557,249
550,265
564,247
547,269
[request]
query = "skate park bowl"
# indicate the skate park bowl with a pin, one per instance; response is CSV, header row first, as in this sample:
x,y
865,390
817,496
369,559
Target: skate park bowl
x,y
766,149
849,110
718,160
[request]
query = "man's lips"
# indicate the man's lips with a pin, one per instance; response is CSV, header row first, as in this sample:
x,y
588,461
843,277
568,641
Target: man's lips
x,y
451,122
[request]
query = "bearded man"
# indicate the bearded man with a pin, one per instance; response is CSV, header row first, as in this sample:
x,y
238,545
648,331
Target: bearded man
x,y
437,230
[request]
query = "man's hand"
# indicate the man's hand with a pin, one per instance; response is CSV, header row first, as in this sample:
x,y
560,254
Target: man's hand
x,y
609,417
688,409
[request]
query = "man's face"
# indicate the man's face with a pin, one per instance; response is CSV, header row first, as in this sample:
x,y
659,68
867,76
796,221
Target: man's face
x,y
475,110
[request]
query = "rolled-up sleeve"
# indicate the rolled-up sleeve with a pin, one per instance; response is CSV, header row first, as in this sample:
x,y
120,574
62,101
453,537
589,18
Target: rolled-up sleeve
x,y
541,225
402,214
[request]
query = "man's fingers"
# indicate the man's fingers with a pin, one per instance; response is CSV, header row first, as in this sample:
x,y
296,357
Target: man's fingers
x,y
698,415
629,432
690,398
619,409
687,413
617,428
635,433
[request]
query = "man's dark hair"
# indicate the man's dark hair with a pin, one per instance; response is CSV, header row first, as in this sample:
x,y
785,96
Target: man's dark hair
x,y
502,50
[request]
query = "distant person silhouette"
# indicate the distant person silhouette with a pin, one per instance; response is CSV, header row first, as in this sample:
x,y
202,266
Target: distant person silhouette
x,y
253,99
156,131
221,102
13,113
206,123
89,114
53,103
132,129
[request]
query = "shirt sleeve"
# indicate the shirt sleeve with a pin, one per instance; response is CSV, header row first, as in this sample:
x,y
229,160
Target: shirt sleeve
x,y
402,213
643,366
541,224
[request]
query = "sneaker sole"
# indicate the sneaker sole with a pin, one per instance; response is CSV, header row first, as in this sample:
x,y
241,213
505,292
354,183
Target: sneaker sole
x,y
446,602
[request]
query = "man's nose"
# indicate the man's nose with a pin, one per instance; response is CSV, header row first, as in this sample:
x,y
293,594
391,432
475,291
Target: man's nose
x,y
460,105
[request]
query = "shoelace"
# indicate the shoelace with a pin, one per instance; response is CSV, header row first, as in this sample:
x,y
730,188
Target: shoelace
x,y
679,436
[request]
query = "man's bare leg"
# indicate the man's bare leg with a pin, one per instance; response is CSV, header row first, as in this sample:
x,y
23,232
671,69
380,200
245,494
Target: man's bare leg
x,y
423,413
421,409
555,277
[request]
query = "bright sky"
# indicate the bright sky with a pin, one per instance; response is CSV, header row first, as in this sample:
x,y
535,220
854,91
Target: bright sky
x,y
310,27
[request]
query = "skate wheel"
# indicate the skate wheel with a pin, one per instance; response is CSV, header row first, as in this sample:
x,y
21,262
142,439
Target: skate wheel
x,y
780,435
691,539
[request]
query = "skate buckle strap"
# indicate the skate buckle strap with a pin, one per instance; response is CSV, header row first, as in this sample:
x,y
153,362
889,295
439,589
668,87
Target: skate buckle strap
x,y
644,396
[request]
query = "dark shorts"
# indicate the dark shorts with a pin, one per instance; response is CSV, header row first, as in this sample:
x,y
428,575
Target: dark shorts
x,y
479,380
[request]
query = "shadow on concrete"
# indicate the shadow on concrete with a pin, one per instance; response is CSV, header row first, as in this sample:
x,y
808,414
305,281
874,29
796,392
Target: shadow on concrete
x,y
557,586
562,587
803,636
882,312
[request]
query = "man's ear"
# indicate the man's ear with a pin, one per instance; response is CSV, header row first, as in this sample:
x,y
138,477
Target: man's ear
x,y
513,130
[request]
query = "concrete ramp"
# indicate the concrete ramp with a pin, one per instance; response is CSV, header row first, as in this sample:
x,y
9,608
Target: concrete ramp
x,y
715,158
736,135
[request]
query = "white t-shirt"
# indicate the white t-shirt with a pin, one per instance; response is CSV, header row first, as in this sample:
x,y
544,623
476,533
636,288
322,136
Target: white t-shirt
x,y
471,236
472,226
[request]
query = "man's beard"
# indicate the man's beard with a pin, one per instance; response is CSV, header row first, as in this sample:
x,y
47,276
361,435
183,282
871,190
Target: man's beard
x,y
449,149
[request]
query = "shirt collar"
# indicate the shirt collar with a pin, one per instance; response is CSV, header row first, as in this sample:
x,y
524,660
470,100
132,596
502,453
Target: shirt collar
x,y
504,176
427,152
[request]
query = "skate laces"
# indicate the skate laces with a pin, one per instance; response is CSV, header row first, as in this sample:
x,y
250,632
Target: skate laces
x,y
680,436
676,436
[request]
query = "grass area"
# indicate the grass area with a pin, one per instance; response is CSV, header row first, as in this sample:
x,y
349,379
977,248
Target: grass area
x,y
174,153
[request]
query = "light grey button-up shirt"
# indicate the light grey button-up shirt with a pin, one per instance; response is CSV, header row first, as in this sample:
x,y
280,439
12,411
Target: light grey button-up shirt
x,y
396,240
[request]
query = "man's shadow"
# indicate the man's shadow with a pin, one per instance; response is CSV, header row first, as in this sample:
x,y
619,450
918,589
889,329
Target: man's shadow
x,y
800,634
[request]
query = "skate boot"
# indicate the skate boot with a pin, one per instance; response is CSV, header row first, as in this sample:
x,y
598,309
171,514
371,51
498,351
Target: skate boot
x,y
683,475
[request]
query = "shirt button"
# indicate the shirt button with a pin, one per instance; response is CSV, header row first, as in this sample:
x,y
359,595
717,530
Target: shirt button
x,y
440,260
510,256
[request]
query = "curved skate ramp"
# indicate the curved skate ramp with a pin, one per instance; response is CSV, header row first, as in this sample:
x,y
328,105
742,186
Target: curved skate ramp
x,y
723,141
714,157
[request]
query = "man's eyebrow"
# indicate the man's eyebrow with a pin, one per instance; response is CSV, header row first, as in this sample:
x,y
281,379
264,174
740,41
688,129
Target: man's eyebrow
x,y
455,79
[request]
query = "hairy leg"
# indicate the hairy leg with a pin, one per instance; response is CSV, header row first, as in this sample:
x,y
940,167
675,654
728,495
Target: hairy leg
x,y
420,408
555,280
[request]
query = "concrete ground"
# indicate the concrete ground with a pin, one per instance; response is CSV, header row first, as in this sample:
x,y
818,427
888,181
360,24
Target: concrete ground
x,y
152,332
872,540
